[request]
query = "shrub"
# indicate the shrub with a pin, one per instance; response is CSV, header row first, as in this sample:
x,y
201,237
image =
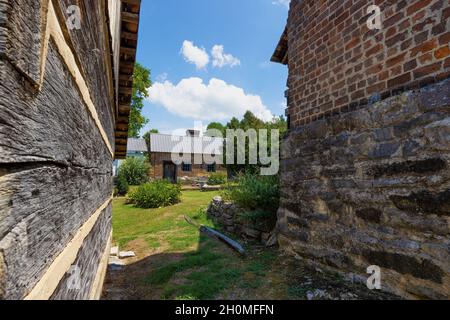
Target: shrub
x,y
217,179
122,185
156,194
253,192
135,171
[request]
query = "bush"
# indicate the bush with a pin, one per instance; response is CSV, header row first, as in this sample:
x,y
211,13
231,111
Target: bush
x,y
156,194
254,192
217,179
135,171
122,186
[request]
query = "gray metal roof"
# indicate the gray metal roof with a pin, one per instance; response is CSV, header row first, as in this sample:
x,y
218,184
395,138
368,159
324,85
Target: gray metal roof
x,y
136,145
179,144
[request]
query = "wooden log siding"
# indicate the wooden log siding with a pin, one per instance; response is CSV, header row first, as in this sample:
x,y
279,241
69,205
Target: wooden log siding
x,y
57,142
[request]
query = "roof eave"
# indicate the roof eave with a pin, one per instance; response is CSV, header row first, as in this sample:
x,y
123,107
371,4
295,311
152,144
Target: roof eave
x,y
129,40
281,52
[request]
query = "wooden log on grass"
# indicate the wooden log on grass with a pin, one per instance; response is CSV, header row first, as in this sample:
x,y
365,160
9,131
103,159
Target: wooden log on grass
x,y
217,235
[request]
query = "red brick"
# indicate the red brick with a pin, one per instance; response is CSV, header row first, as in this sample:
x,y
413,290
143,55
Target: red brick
x,y
428,57
379,87
442,53
395,60
428,70
446,14
374,50
410,65
444,39
447,63
399,81
424,47
418,5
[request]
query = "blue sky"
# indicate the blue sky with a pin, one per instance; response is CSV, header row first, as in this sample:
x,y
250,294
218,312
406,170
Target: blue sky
x,y
210,60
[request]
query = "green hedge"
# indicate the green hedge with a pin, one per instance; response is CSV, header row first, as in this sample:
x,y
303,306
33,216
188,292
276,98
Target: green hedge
x,y
156,194
255,193
217,179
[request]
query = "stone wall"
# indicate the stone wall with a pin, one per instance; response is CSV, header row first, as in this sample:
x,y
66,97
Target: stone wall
x,y
372,187
229,217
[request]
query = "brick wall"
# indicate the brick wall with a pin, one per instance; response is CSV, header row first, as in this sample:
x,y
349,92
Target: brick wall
x,y
337,64
157,170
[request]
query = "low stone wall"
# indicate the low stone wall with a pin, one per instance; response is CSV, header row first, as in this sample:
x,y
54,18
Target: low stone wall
x,y
227,215
372,187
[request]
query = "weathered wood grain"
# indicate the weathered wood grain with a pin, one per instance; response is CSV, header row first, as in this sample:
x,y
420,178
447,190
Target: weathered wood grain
x,y
20,40
50,125
91,43
87,262
41,209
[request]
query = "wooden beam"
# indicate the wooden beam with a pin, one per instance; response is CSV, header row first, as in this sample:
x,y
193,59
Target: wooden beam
x,y
126,90
129,35
130,17
128,51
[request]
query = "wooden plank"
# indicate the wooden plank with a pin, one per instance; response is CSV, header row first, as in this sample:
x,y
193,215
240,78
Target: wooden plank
x,y
129,35
91,45
128,51
129,17
34,130
38,219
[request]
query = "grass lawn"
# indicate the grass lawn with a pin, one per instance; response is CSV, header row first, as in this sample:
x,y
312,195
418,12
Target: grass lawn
x,y
174,261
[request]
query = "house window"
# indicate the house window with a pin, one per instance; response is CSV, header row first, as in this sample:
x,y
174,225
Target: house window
x,y
212,167
187,167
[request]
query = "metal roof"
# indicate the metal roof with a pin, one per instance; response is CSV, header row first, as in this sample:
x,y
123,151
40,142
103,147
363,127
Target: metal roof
x,y
179,144
136,145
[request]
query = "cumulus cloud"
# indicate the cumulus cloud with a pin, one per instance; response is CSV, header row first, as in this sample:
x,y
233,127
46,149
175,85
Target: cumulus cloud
x,y
284,3
213,101
222,59
194,54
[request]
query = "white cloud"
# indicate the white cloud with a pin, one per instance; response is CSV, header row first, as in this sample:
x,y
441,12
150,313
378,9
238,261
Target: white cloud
x,y
215,101
222,59
195,55
284,3
162,77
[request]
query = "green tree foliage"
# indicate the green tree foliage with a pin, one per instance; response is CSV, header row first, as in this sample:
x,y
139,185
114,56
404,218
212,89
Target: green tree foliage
x,y
216,126
121,185
141,84
250,121
135,171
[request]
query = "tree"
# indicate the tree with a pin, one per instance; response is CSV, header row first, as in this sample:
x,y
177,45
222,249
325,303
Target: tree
x,y
250,121
216,126
141,84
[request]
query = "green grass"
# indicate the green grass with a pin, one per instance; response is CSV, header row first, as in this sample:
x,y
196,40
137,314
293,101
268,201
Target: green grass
x,y
131,223
191,266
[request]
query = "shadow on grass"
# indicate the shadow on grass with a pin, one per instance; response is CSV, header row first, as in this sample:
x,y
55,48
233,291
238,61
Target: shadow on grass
x,y
200,274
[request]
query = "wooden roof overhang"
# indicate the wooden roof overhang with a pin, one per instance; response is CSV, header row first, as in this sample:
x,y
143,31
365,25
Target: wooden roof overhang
x,y
128,46
281,52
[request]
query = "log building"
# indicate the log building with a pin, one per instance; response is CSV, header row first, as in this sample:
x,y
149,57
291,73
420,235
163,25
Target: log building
x,y
365,176
197,152
65,91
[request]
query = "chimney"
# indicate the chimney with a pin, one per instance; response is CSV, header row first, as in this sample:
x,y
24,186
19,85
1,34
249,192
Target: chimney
x,y
193,133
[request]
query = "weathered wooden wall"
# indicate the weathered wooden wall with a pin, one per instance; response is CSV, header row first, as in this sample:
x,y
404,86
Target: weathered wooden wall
x,y
57,121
